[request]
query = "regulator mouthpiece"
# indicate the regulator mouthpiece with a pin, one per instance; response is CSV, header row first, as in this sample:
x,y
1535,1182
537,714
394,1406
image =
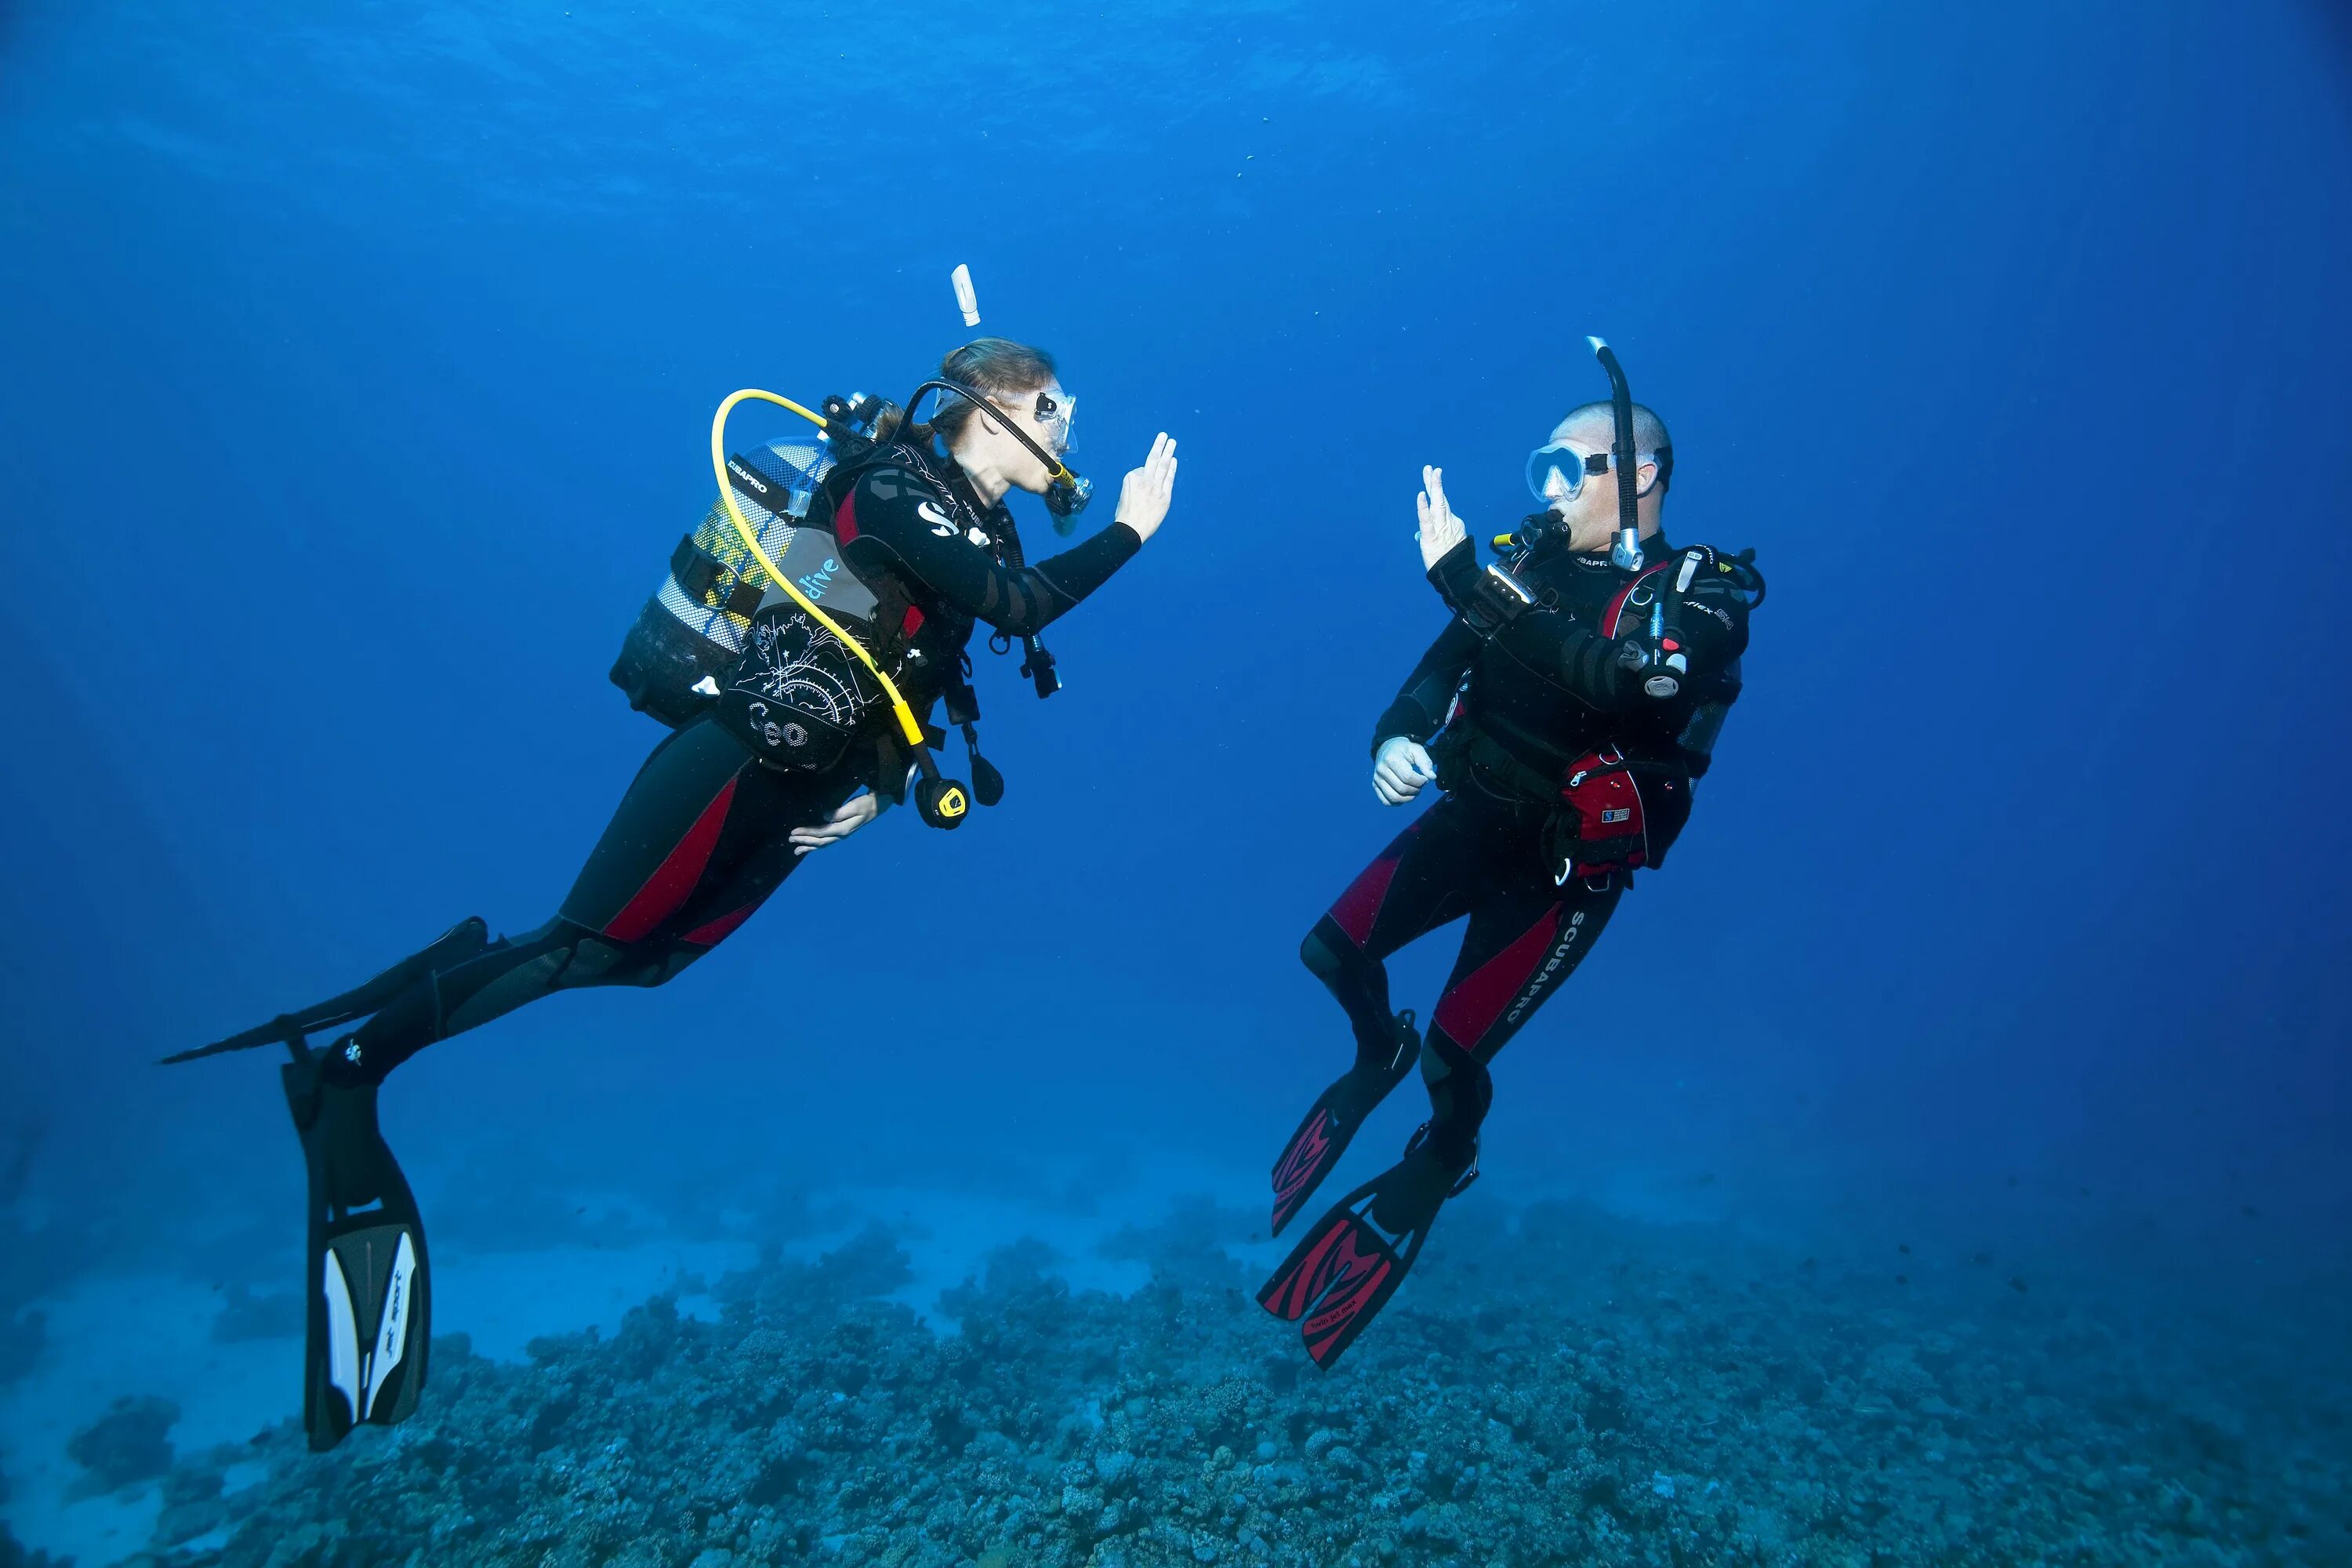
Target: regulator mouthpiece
x,y
966,300
1066,500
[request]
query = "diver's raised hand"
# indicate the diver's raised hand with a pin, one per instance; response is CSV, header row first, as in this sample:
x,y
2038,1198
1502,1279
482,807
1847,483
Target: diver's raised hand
x,y
852,814
1144,494
1401,770
1441,531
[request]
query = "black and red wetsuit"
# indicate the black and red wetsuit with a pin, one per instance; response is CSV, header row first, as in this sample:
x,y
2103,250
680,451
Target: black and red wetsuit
x,y
1517,706
700,839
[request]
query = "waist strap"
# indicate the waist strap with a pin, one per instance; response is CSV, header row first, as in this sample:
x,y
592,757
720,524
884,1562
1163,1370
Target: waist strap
x,y
1465,744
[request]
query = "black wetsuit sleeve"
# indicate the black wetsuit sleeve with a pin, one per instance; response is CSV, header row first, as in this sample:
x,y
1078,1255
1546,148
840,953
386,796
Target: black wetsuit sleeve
x,y
1419,710
901,524
1710,623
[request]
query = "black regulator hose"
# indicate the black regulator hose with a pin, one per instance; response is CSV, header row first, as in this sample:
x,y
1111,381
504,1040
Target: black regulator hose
x,y
1067,495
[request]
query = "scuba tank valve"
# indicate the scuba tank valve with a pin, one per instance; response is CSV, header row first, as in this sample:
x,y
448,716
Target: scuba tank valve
x,y
861,420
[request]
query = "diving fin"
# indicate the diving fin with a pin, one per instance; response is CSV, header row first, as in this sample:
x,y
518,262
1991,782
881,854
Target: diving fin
x,y
1314,1150
1343,1271
365,1277
459,943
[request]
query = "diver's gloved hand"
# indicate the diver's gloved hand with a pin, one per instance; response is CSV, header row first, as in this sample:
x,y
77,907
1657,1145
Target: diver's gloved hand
x,y
1441,531
1401,770
1144,494
852,814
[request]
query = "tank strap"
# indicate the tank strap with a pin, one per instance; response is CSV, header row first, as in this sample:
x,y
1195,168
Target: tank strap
x,y
699,573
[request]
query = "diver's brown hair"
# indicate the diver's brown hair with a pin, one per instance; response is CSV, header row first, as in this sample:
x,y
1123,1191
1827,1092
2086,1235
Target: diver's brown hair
x,y
994,367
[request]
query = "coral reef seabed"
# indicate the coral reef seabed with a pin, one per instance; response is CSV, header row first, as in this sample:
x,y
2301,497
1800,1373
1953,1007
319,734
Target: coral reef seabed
x,y
1563,1388
130,1443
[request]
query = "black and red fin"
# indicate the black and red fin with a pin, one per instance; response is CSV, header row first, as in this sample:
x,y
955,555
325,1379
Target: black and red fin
x,y
1331,1125
1350,1306
1314,1264
1342,1273
1310,1156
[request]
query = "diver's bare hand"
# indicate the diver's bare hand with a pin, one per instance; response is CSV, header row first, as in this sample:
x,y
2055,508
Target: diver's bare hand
x,y
854,814
1441,531
1144,494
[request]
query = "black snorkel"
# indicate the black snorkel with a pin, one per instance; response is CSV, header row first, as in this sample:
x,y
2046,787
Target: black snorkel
x,y
1625,552
1068,493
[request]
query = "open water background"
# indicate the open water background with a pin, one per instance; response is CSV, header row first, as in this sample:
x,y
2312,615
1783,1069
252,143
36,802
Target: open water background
x,y
355,367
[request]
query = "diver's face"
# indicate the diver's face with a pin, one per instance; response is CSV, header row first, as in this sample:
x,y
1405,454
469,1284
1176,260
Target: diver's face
x,y
1589,516
1042,416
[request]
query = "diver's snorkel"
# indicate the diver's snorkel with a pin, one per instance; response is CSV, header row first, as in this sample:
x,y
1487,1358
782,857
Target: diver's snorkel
x,y
1066,496
1625,552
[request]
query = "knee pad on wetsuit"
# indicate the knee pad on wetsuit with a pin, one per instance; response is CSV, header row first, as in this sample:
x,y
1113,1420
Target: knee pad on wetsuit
x,y
1460,1090
1324,961
591,959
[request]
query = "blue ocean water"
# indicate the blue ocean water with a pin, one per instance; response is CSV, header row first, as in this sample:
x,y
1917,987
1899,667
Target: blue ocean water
x,y
358,371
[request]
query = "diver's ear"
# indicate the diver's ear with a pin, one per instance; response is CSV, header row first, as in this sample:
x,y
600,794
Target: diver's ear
x,y
1646,477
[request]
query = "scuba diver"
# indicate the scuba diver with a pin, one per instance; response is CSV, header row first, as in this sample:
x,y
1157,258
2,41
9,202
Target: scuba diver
x,y
795,660
1563,712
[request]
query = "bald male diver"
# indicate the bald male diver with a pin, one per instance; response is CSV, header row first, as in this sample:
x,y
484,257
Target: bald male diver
x,y
1564,711
784,746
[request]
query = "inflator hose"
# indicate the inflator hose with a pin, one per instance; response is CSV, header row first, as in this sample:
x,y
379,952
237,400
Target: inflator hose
x,y
907,723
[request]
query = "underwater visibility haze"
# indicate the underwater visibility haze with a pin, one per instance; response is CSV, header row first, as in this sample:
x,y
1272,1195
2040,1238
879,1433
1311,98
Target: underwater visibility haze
x,y
1943,1160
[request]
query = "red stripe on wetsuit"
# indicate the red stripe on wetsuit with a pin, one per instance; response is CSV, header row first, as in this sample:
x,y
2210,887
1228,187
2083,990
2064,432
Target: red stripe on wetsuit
x,y
1360,906
673,882
1468,1010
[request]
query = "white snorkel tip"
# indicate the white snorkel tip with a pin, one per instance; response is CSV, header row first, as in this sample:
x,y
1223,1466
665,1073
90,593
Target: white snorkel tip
x,y
1598,343
966,300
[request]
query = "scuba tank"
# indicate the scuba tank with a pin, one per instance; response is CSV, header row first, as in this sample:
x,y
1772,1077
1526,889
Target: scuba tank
x,y
699,620
821,663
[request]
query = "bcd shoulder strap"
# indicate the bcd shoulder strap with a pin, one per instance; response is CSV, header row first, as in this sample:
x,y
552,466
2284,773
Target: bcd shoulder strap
x,y
1037,661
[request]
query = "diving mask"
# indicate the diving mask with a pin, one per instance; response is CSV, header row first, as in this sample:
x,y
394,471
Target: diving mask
x,y
1053,416
1558,472
1069,490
